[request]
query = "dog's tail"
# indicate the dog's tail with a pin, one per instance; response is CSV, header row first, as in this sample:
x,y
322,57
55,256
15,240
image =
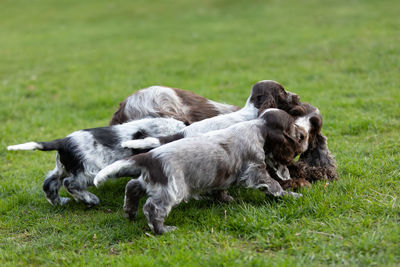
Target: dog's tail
x,y
44,146
120,168
146,143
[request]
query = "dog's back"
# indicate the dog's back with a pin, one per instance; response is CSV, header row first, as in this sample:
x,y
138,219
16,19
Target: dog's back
x,y
161,101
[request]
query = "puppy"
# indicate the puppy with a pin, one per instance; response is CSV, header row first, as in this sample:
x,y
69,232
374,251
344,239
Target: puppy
x,y
82,154
161,101
216,160
317,162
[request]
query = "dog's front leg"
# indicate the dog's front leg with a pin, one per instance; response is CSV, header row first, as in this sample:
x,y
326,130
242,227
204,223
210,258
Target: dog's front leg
x,y
257,177
222,196
78,191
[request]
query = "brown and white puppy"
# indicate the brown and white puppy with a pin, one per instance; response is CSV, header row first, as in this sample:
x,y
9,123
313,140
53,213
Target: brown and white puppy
x,y
161,101
317,162
216,160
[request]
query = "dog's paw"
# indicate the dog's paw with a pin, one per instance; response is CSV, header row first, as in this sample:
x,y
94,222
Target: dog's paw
x,y
223,196
169,228
92,201
58,201
293,194
64,200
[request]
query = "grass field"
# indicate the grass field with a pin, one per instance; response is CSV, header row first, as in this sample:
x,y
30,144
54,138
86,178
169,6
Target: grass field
x,y
65,65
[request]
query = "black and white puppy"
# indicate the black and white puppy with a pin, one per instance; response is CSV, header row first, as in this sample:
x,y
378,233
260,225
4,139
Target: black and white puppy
x,y
82,154
216,160
162,101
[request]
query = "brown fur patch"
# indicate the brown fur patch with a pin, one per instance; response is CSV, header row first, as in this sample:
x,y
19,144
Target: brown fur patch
x,y
170,138
295,184
119,115
199,107
277,139
153,166
223,169
223,173
270,94
302,170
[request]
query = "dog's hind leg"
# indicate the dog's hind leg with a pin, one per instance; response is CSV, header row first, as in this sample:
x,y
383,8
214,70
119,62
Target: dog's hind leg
x,y
79,192
134,191
156,210
52,183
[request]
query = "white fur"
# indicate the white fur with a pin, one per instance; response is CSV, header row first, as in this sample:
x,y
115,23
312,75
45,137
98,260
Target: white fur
x,y
148,102
25,146
249,112
145,143
101,177
222,108
304,121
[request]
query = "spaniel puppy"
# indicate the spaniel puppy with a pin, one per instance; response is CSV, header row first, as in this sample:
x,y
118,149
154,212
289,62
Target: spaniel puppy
x,y
264,94
82,154
317,162
216,160
160,101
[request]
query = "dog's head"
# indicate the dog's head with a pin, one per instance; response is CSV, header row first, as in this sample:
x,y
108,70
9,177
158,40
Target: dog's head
x,y
270,94
283,138
311,122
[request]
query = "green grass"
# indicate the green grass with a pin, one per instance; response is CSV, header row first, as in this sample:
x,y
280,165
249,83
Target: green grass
x,y
65,65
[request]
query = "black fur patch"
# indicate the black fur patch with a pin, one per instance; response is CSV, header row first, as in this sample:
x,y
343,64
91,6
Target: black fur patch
x,y
69,156
52,145
105,136
139,151
153,166
139,135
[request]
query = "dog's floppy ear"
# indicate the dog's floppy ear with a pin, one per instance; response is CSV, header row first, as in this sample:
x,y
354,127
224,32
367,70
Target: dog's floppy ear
x,y
297,111
319,157
316,124
283,146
